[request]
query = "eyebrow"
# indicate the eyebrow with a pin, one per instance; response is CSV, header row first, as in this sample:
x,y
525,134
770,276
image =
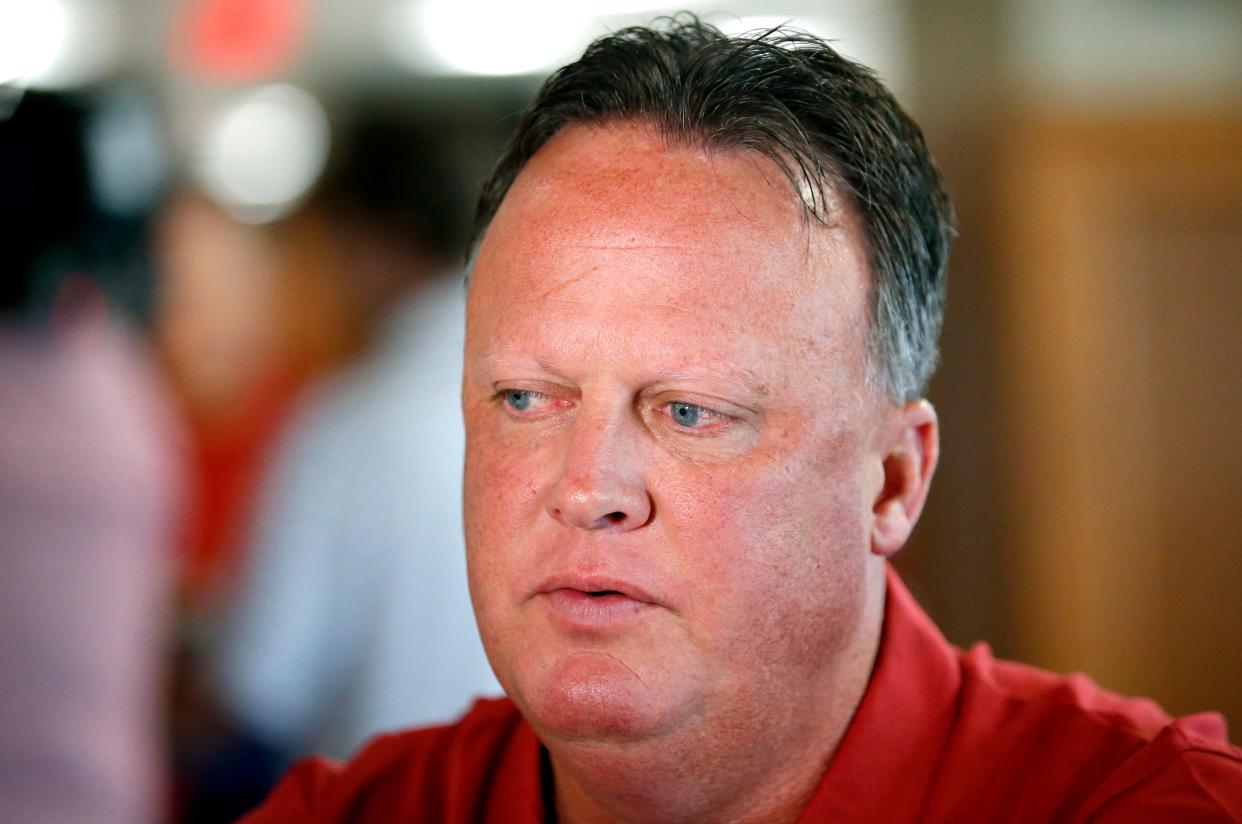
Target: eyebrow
x,y
722,370
731,373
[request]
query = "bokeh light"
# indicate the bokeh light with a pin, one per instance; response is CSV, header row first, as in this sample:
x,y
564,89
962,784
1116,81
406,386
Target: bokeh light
x,y
488,38
56,44
262,153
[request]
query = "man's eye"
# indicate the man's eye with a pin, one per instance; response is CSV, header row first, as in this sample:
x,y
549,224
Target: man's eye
x,y
687,414
520,400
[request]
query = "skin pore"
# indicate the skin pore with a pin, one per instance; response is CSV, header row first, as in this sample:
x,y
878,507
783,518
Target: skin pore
x,y
680,489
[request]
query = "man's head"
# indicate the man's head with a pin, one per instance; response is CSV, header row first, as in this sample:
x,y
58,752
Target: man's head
x,y
681,482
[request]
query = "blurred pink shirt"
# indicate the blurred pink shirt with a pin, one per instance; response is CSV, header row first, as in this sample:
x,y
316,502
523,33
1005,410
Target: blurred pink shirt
x,y
87,490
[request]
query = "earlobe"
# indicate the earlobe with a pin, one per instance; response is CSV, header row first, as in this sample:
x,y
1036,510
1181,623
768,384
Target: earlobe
x,y
910,451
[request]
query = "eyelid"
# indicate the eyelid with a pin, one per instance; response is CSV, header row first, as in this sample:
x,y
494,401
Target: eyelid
x,y
713,423
534,386
547,395
714,405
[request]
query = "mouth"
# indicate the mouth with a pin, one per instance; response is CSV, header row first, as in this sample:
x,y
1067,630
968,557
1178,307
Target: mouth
x,y
597,587
594,605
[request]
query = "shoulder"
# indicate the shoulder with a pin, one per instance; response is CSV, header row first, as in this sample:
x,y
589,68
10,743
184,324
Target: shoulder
x,y
1078,751
1188,772
1026,701
446,773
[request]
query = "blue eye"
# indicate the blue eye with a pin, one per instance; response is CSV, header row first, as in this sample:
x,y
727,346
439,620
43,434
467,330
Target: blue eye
x,y
685,414
518,399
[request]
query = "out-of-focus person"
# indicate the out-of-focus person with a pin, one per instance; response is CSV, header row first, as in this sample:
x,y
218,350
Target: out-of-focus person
x,y
353,614
219,324
88,488
235,371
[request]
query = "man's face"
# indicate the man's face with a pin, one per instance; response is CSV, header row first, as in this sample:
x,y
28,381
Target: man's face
x,y
670,462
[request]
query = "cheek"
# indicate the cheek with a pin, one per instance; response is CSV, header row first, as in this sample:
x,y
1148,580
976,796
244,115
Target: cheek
x,y
500,498
777,553
502,472
498,487
781,517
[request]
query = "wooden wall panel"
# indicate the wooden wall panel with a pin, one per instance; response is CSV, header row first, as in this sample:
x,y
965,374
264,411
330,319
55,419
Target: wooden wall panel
x,y
1120,267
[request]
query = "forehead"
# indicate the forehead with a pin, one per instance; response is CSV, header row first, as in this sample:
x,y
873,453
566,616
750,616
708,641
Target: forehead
x,y
615,222
630,174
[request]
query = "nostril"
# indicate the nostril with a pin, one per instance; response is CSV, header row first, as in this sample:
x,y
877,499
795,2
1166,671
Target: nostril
x,y
592,505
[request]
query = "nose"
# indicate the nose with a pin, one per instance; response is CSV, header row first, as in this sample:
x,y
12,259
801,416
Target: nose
x,y
600,487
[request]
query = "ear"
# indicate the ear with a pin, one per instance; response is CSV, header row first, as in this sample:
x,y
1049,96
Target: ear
x,y
910,447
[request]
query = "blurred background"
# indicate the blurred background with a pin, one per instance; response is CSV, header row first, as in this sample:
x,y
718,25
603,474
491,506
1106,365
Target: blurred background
x,y
231,234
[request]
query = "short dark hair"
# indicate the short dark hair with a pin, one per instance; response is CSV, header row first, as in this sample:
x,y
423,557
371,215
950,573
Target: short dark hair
x,y
828,123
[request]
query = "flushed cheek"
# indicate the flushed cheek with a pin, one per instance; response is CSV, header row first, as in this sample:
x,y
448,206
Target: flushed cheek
x,y
499,488
501,508
500,497
775,557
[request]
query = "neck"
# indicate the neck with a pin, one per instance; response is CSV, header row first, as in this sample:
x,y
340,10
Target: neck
x,y
747,775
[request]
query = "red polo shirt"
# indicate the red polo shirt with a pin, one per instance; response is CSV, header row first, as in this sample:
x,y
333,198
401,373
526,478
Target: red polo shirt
x,y
941,735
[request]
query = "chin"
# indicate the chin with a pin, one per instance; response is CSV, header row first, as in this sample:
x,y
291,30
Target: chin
x,y
590,696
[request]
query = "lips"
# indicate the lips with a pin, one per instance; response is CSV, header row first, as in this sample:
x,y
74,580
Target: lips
x,y
594,604
601,586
